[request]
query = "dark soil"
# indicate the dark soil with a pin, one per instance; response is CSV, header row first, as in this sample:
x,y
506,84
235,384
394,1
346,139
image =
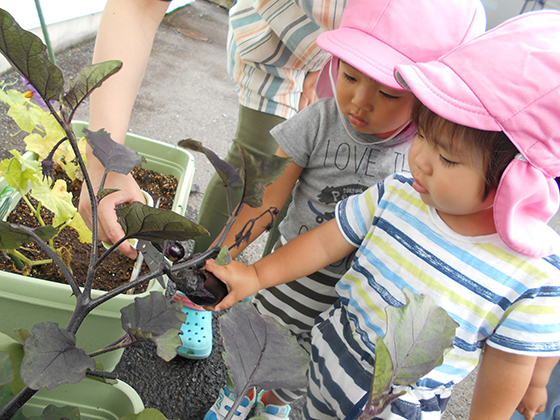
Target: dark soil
x,y
117,268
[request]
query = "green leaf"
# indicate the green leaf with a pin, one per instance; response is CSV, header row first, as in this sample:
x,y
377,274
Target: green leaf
x,y
24,113
224,257
418,335
7,395
147,414
257,174
52,358
260,352
12,236
78,224
226,171
383,373
28,55
6,369
113,156
57,200
89,78
20,173
52,412
153,318
156,225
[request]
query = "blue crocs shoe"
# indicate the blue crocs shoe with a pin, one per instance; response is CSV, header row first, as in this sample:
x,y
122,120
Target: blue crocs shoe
x,y
223,404
270,411
197,334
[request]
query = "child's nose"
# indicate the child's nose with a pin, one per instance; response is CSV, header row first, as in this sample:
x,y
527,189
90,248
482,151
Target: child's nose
x,y
422,157
362,99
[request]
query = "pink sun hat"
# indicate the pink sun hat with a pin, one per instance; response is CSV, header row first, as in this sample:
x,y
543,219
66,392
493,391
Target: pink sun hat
x,y
508,79
376,35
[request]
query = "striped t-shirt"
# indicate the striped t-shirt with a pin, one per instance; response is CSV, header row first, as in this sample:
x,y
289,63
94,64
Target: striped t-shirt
x,y
271,48
497,296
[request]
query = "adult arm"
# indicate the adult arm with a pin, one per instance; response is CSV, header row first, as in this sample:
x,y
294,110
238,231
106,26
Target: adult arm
x,y
275,195
534,400
126,33
501,382
302,256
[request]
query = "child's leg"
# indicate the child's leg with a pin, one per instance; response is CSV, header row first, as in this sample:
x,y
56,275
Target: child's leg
x,y
340,373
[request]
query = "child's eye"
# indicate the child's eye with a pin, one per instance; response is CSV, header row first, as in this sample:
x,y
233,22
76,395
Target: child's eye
x,y
387,96
348,77
447,162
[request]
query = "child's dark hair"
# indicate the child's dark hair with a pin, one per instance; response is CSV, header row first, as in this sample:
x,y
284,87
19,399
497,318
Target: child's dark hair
x,y
494,148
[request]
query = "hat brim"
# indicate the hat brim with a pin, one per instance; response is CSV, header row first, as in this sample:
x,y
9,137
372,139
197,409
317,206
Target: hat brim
x,y
439,88
349,44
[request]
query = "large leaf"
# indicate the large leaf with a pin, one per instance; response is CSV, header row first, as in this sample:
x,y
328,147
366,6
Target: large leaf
x,y
153,318
156,225
226,171
260,352
418,335
89,78
12,236
113,156
52,358
28,55
52,412
258,173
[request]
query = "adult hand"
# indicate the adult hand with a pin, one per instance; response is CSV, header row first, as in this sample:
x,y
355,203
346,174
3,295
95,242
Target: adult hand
x,y
309,95
109,230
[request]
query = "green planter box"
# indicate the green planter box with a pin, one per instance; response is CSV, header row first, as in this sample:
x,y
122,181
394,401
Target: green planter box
x,y
96,400
26,301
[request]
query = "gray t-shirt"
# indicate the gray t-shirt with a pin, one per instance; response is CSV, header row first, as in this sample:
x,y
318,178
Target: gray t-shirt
x,y
334,165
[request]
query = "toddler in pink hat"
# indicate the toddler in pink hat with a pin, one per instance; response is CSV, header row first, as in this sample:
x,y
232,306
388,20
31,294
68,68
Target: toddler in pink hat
x,y
458,228
339,147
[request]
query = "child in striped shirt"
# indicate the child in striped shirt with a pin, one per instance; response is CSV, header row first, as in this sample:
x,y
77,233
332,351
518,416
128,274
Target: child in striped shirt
x,y
341,145
467,227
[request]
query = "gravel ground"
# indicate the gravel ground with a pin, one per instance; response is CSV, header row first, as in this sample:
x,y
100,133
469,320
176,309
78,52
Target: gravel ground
x,y
186,94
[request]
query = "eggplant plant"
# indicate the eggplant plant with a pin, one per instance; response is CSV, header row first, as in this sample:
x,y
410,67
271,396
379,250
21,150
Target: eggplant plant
x,y
49,355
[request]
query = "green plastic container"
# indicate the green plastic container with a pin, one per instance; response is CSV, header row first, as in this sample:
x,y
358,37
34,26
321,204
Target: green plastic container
x,y
26,301
96,400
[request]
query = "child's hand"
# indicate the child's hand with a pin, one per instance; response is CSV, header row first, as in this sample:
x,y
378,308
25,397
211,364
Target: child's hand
x,y
533,402
240,279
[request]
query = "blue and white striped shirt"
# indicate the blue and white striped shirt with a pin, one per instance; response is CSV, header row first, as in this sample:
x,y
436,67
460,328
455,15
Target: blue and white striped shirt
x,y
497,296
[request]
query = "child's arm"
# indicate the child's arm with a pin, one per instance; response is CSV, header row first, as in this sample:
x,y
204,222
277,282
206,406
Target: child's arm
x,y
275,195
502,381
534,400
301,256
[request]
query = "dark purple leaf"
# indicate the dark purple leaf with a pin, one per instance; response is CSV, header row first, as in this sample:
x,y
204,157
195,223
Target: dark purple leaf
x,y
144,222
113,156
52,358
260,352
153,318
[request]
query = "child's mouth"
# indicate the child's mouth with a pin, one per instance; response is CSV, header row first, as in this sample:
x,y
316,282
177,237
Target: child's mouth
x,y
357,121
